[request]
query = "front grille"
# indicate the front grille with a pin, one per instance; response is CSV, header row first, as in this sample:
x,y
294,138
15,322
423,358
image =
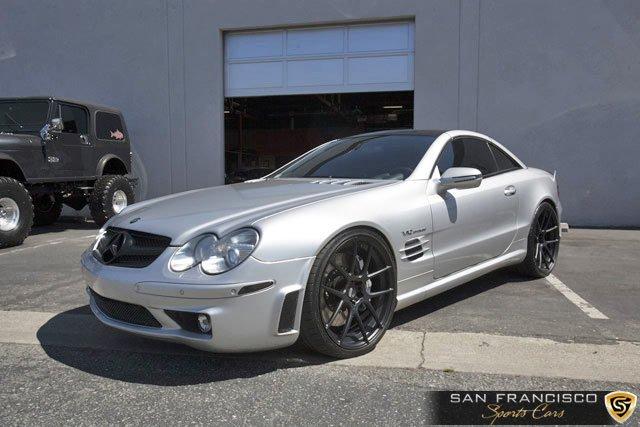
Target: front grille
x,y
125,312
128,248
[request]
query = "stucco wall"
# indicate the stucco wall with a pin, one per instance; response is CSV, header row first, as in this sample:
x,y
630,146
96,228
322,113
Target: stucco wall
x,y
555,81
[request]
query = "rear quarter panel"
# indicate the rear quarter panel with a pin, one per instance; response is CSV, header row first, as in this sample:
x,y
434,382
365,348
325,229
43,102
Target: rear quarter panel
x,y
534,186
107,149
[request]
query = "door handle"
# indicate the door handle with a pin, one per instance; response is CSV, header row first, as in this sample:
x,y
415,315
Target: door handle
x,y
509,190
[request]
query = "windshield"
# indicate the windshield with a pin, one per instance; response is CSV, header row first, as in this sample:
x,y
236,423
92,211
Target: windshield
x,y
23,116
374,157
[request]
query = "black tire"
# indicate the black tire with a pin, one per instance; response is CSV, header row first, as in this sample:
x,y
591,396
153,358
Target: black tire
x,y
11,189
101,201
339,294
543,243
46,209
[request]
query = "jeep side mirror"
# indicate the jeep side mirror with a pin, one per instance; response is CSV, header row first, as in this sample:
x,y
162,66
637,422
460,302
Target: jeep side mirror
x,y
57,125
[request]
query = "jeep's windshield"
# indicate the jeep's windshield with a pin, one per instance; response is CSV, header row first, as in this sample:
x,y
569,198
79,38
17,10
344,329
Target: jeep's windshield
x,y
372,157
23,116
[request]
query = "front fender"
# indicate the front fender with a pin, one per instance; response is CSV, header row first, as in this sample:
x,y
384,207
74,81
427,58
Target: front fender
x,y
303,231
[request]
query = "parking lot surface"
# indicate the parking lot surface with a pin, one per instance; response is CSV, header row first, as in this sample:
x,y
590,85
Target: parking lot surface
x,y
579,329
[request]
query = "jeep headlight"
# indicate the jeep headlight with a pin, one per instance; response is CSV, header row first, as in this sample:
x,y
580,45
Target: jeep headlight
x,y
214,255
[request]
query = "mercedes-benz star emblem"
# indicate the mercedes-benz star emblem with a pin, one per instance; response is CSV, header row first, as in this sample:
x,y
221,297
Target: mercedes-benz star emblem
x,y
114,246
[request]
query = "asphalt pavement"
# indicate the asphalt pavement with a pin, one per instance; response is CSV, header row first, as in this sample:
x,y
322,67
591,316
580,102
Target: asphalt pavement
x,y
58,365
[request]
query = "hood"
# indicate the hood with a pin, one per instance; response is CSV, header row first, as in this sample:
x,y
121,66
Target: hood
x,y
14,140
222,209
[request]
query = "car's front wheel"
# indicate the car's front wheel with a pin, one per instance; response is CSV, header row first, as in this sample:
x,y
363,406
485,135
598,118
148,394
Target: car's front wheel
x,y
350,296
16,212
543,244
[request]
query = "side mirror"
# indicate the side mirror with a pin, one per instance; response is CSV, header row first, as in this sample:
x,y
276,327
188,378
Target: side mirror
x,y
459,178
57,125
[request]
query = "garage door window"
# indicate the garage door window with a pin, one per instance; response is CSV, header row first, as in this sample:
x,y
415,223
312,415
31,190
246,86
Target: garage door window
x,y
109,127
336,59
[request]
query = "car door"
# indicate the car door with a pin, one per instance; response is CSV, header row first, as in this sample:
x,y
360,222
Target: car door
x,y
72,144
476,224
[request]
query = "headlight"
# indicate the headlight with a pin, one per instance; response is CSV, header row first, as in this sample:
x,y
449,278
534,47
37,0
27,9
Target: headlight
x,y
215,256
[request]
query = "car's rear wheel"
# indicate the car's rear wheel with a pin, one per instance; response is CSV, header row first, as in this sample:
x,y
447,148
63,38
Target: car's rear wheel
x,y
16,212
543,244
46,209
350,296
111,194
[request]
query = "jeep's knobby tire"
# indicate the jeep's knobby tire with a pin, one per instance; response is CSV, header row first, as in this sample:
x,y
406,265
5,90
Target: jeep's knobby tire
x,y
359,297
14,190
543,243
46,209
101,201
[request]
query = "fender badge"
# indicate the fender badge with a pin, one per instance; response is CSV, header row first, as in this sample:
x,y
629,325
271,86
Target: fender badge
x,y
134,220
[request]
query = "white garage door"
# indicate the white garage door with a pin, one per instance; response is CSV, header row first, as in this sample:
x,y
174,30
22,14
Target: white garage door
x,y
348,58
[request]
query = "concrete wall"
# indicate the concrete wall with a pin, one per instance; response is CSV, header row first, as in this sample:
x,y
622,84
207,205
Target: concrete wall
x,y
556,81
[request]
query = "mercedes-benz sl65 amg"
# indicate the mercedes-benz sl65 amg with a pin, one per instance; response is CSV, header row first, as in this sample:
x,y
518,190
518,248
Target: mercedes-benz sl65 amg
x,y
326,248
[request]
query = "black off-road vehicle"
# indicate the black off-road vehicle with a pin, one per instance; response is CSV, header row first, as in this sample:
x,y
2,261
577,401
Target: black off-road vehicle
x,y
55,152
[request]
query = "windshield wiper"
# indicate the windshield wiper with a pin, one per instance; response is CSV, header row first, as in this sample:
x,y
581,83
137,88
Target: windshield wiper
x,y
12,119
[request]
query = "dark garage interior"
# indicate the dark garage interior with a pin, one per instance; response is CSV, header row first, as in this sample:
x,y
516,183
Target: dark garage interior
x,y
263,133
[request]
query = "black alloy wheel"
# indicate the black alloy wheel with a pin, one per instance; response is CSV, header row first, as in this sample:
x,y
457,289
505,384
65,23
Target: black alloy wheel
x,y
543,242
351,295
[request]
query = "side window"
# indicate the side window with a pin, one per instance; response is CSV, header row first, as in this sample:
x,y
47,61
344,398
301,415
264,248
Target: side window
x,y
74,119
109,127
504,161
467,153
445,161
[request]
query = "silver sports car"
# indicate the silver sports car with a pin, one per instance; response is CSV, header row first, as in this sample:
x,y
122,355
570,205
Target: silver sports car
x,y
326,248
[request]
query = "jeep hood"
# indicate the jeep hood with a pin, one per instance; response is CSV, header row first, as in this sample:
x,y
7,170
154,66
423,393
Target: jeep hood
x,y
222,209
16,140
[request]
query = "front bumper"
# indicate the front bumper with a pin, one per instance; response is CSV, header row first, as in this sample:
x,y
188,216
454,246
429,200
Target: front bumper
x,y
240,323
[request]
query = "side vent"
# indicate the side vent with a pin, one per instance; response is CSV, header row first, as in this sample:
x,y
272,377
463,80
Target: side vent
x,y
414,249
288,313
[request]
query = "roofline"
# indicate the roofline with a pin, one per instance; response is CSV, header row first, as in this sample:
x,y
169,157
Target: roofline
x,y
89,105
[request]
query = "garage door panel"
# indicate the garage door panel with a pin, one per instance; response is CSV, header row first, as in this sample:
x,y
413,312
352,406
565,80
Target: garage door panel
x,y
379,38
254,45
382,69
252,75
315,41
313,72
347,58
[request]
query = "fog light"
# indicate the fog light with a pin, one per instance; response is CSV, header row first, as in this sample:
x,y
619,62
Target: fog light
x,y
204,323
